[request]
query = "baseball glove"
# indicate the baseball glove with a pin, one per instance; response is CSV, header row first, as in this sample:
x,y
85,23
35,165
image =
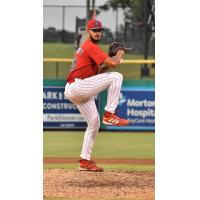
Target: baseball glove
x,y
114,47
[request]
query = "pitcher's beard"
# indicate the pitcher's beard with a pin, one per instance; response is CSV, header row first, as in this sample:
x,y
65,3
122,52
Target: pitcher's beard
x,y
93,40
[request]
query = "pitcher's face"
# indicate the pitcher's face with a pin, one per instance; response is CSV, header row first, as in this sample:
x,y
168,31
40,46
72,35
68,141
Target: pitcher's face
x,y
95,34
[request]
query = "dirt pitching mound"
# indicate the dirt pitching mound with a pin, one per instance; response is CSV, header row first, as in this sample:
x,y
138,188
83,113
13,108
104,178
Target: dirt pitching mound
x,y
102,185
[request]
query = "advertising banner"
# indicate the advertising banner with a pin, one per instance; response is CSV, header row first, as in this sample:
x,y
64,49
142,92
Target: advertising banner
x,y
137,104
58,112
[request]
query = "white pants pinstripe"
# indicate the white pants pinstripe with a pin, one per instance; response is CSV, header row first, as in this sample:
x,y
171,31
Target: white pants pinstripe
x,y
82,93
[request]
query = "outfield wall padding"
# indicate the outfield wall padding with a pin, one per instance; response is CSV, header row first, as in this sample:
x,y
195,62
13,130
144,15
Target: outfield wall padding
x,y
136,103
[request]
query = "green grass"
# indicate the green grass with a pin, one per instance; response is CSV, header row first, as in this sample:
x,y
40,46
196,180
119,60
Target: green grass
x,y
59,50
107,144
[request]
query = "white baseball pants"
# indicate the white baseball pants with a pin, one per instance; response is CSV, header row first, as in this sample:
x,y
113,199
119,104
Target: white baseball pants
x,y
82,93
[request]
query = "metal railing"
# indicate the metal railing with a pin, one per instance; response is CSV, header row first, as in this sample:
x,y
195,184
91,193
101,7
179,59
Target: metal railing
x,y
68,60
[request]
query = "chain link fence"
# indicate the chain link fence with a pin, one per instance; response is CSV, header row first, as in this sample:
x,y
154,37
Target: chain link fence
x,y
132,25
65,23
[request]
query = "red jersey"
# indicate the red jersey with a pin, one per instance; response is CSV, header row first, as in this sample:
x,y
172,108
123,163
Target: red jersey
x,y
86,61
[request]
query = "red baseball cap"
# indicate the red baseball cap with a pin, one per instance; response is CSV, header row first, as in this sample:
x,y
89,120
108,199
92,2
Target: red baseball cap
x,y
94,24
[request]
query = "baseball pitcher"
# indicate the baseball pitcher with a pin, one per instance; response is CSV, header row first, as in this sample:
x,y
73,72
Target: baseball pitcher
x,y
87,78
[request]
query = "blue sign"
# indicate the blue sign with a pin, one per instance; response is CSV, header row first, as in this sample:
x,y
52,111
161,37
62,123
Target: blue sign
x,y
59,112
137,104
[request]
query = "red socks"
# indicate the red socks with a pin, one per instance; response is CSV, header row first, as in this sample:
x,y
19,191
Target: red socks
x,y
107,114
